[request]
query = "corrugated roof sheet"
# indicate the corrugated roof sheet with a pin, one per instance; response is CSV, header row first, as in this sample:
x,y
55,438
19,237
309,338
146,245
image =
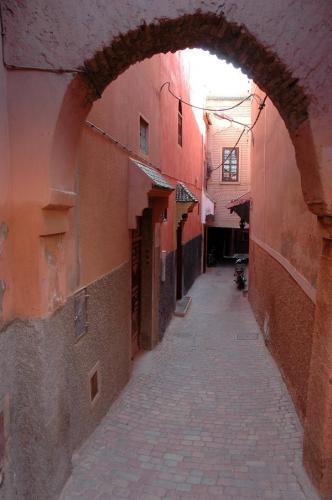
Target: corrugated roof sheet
x,y
184,195
157,179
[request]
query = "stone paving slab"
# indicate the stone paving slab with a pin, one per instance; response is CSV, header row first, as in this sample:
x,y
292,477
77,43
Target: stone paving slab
x,y
206,415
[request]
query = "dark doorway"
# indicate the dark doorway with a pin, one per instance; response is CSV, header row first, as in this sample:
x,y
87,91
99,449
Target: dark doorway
x,y
225,243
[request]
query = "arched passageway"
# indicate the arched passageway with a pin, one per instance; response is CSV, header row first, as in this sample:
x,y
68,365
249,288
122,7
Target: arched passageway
x,y
255,37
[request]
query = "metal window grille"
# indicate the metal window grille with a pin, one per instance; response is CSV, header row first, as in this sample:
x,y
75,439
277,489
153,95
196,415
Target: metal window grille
x,y
230,169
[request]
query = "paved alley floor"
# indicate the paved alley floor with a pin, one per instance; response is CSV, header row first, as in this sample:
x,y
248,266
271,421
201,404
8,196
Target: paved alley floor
x,y
206,415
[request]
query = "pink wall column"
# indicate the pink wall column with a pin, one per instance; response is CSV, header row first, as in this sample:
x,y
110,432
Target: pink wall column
x,y
40,200
5,187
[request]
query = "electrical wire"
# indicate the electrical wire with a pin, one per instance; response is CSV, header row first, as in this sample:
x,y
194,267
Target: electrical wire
x,y
206,109
231,120
230,153
117,143
261,106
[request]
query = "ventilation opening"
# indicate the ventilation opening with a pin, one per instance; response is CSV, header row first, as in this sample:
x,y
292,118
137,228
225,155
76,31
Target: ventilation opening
x,y
94,384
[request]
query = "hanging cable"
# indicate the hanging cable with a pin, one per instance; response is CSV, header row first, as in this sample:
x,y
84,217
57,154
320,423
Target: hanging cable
x,y
119,144
206,109
230,153
261,106
231,120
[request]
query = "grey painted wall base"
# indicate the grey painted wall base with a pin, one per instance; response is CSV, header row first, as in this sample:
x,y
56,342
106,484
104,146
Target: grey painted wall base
x,y
192,255
44,385
167,293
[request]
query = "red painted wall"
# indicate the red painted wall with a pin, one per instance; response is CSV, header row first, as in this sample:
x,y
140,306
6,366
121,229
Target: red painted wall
x,y
103,236
280,217
5,236
103,167
183,163
284,253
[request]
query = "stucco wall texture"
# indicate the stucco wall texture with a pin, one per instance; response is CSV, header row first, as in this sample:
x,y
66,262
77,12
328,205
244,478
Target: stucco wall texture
x,y
280,218
44,366
5,237
32,41
286,316
104,239
44,375
167,293
285,46
288,231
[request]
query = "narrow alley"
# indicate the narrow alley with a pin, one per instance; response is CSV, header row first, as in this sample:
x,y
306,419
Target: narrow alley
x,y
205,415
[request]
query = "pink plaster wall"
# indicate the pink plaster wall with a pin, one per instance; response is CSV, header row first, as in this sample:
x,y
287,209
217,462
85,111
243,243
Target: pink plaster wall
x,y
46,109
280,218
180,163
5,236
64,36
285,250
103,239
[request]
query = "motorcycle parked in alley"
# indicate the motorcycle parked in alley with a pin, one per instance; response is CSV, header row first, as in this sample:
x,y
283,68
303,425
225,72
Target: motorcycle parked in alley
x,y
240,273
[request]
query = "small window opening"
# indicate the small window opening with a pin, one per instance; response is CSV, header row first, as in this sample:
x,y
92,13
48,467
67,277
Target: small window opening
x,y
180,123
94,386
143,136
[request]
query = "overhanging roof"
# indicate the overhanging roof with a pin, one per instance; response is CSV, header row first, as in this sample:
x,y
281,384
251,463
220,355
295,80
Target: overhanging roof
x,y
245,198
241,206
146,187
157,179
184,195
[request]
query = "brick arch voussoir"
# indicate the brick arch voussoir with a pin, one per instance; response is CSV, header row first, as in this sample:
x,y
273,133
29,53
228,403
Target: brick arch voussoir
x,y
214,33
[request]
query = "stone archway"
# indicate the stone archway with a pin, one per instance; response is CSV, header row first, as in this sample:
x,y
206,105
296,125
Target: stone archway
x,y
227,40
236,44
224,32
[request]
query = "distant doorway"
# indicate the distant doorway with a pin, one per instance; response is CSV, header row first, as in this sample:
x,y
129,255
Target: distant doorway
x,y
225,243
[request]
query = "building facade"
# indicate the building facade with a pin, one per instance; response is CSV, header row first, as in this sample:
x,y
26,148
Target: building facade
x,y
56,61
134,236
228,173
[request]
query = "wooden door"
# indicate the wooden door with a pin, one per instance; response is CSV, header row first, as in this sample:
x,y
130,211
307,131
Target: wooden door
x,y
136,268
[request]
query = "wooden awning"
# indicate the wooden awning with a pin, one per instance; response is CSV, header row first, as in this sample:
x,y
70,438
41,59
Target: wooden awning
x,y
147,188
241,206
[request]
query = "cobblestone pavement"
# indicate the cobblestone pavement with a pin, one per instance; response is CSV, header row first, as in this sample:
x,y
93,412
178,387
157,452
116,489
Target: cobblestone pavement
x,y
206,415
